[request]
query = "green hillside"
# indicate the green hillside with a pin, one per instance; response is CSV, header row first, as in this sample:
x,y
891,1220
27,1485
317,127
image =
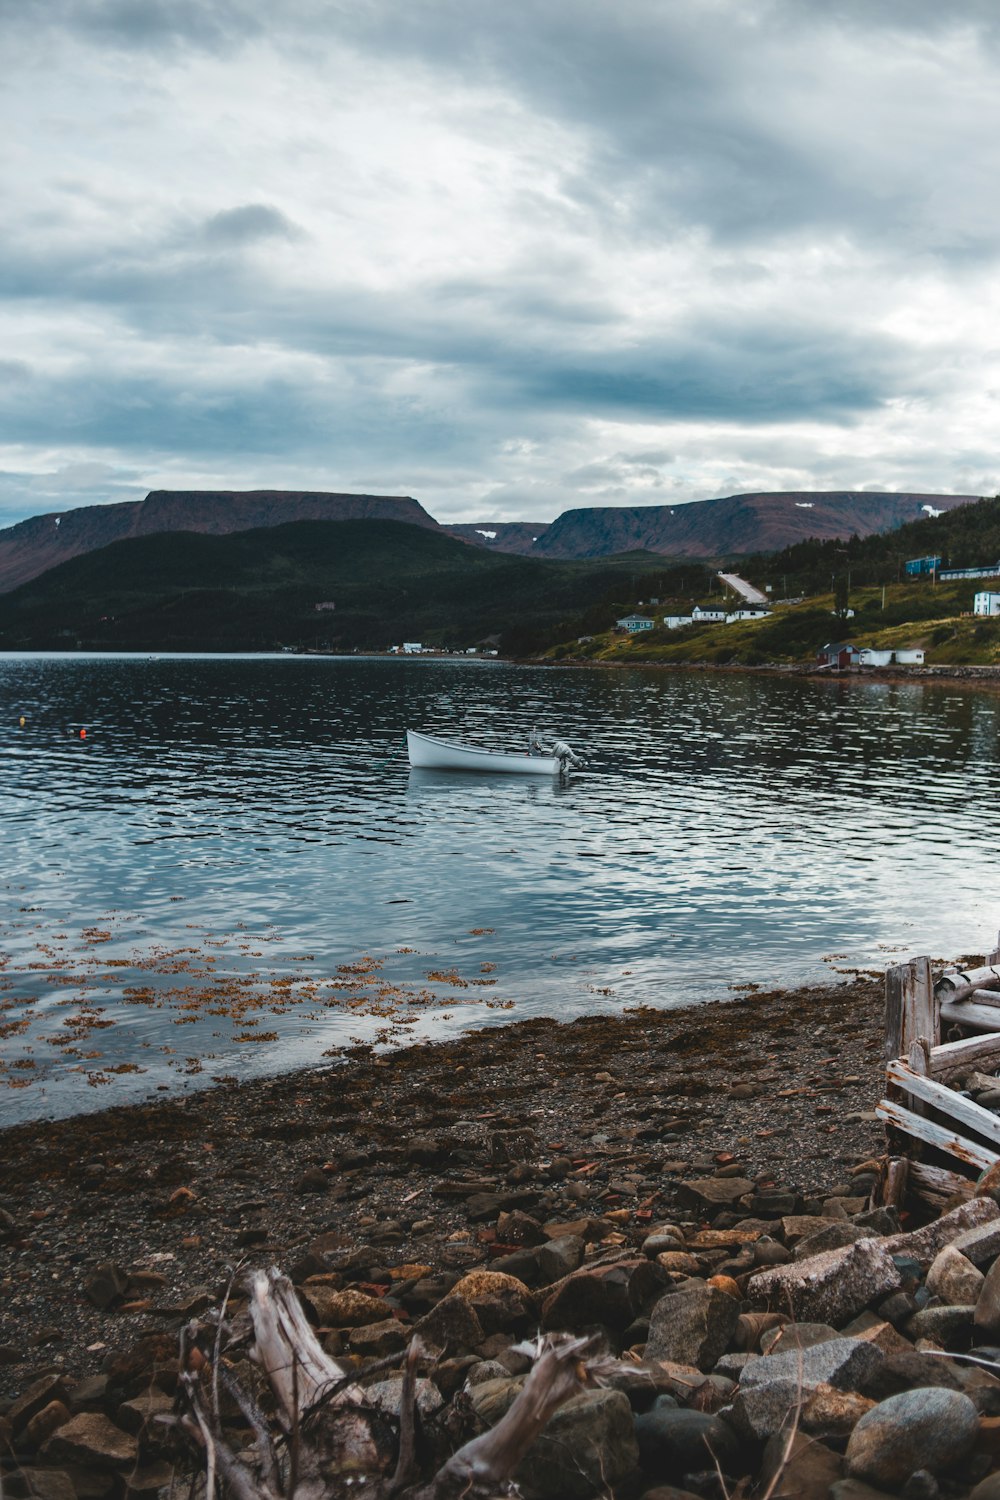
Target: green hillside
x,y
825,580
387,581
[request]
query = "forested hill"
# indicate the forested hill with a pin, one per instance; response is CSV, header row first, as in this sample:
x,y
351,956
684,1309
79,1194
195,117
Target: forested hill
x,y
966,537
330,585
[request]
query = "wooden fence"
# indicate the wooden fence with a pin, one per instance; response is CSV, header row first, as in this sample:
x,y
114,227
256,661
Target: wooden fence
x,y
938,1034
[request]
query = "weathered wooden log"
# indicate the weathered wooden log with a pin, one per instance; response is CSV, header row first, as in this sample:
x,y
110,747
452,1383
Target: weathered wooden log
x,y
911,1008
957,984
972,1017
953,1058
936,1185
972,1153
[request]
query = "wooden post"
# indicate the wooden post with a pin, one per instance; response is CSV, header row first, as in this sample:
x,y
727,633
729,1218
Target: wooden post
x,y
911,1009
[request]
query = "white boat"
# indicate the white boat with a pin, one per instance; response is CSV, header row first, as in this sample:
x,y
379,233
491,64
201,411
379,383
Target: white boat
x,y
444,755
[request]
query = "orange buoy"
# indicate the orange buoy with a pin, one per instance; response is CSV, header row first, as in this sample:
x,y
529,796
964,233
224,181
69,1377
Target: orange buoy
x,y
83,734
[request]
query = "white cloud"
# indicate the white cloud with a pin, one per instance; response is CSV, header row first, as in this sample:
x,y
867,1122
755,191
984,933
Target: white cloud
x,y
507,260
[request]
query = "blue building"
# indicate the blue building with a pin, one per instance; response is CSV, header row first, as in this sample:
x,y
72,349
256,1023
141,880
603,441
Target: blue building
x,y
919,565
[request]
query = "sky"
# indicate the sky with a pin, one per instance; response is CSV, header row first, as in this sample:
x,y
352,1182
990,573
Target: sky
x,y
509,259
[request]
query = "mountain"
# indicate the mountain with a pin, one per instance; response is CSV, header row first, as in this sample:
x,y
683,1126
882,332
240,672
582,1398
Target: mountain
x,y
518,537
331,585
737,524
42,542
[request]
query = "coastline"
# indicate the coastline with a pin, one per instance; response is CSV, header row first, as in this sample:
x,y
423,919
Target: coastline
x,y
396,1149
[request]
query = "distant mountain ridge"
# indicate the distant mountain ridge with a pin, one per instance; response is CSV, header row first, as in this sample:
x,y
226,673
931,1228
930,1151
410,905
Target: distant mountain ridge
x,y
518,537
735,524
33,546
730,526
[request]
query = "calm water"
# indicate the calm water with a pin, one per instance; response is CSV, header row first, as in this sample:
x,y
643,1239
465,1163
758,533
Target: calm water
x,y
236,871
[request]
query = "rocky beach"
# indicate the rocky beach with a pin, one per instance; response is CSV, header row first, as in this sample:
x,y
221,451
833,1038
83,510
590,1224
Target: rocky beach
x,y
689,1189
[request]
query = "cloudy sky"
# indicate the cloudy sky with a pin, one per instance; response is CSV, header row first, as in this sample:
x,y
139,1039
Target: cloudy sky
x,y
508,258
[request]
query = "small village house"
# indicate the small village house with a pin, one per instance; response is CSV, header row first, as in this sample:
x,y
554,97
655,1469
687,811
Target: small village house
x,y
986,603
838,654
712,612
674,622
632,624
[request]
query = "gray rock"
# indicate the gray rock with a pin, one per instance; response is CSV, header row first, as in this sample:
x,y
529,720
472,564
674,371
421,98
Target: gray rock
x,y
487,1369
92,1440
714,1192
987,1489
386,1395
491,1399
692,1326
452,1325
878,1221
923,1429
40,1484
954,1278
655,1243
106,1285
559,1258
856,1489
375,1340
39,1394
831,1237
923,1244
948,1326
796,1336
807,1469
673,1442
586,1449
988,1303
829,1288
613,1295
771,1385
980,1245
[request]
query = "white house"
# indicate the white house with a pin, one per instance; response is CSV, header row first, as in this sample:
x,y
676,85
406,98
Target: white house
x,y
869,657
412,648
634,623
986,604
716,612
910,656
747,614
674,622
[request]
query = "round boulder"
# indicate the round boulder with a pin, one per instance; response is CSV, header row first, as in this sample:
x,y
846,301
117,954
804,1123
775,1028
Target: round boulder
x,y
675,1441
929,1428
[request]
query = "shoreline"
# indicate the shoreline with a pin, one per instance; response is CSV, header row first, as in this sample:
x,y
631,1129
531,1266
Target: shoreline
x,y
397,1147
958,676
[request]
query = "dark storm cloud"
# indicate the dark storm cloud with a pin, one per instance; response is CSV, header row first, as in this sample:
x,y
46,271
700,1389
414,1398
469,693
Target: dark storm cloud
x,y
249,223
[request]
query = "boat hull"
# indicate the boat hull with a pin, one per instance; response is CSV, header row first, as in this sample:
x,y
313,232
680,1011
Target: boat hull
x,y
443,755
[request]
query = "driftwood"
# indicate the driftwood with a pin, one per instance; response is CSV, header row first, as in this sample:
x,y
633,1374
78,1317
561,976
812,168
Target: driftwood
x,y
324,1440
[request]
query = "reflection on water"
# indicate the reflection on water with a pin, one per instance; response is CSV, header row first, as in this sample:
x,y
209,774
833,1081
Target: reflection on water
x,y
259,814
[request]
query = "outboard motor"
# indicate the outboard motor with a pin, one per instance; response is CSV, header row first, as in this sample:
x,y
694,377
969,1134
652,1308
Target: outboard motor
x,y
566,756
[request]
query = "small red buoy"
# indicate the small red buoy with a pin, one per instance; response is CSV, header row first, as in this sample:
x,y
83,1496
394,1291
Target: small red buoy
x,y
83,734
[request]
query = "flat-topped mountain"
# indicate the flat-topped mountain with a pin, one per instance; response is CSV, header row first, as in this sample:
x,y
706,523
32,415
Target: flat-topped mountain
x,y
33,546
735,524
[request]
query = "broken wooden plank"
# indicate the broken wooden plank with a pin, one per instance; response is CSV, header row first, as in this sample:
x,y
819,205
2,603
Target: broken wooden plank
x,y
971,1152
956,984
969,1115
911,1009
973,1017
959,1057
